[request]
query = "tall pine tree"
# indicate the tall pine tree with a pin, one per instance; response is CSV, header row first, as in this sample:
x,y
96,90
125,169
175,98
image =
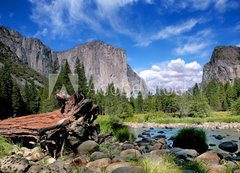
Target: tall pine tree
x,y
17,101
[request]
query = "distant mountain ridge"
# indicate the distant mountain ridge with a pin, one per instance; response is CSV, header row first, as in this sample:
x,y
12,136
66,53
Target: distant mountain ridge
x,y
224,65
104,62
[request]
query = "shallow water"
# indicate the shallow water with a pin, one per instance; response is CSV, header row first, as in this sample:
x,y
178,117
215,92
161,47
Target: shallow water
x,y
228,135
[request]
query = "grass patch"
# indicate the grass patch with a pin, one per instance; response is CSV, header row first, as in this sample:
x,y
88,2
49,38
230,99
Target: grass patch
x,y
161,165
113,124
165,118
197,166
5,147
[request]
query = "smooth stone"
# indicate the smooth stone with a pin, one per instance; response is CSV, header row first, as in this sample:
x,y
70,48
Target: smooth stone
x,y
130,153
79,161
87,146
35,169
35,156
212,145
57,167
217,169
115,166
98,155
155,154
208,157
186,154
218,137
98,164
132,169
160,131
228,146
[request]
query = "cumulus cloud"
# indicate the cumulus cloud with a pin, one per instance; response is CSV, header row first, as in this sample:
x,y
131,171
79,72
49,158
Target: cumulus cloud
x,y
175,75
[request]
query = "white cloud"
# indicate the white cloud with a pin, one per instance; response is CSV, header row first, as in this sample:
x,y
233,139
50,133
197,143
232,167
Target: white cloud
x,y
219,5
176,75
190,48
195,44
169,31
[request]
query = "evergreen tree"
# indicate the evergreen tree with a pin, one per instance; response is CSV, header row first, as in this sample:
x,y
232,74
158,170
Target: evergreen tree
x,y
211,91
91,91
17,101
6,85
64,80
196,90
139,103
31,98
82,80
230,94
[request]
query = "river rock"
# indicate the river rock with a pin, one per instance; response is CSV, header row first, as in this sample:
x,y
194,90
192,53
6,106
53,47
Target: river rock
x,y
217,169
130,153
14,163
99,164
79,161
228,146
131,169
115,166
155,154
186,154
98,155
208,157
35,169
56,167
218,137
127,146
87,146
35,156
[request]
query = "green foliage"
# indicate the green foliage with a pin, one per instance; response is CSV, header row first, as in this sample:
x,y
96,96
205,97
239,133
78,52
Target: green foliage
x,y
63,81
17,101
198,107
235,109
6,85
123,134
82,80
139,103
31,98
197,166
164,164
5,147
191,138
196,91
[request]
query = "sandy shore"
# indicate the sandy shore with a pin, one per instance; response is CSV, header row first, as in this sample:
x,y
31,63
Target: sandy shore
x,y
210,125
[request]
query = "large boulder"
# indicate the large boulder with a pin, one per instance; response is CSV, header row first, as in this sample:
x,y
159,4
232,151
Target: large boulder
x,y
186,154
87,146
209,157
99,164
228,146
14,164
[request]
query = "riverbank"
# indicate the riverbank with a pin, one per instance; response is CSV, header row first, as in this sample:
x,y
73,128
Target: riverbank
x,y
208,125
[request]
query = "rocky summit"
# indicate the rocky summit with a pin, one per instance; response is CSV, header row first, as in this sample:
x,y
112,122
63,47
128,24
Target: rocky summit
x,y
224,65
103,62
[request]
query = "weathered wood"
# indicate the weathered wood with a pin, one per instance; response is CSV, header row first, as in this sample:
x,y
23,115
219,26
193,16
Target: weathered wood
x,y
52,129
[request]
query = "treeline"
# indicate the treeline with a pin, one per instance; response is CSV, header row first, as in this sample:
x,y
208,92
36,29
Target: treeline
x,y
31,99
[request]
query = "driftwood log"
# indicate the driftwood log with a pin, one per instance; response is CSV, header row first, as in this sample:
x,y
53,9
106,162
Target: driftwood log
x,y
70,125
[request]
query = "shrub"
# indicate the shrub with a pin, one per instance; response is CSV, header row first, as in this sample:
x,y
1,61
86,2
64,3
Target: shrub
x,y
123,133
235,108
5,147
191,138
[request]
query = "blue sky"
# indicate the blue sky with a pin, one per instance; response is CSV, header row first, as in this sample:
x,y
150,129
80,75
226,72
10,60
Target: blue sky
x,y
167,41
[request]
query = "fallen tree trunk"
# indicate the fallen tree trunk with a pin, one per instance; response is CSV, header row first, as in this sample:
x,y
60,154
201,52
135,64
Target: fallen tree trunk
x,y
54,129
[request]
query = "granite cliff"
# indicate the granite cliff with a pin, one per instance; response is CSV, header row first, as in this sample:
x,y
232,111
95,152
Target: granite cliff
x,y
105,63
224,65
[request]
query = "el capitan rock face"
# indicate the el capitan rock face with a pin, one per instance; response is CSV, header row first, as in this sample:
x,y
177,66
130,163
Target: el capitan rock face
x,y
224,65
105,63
